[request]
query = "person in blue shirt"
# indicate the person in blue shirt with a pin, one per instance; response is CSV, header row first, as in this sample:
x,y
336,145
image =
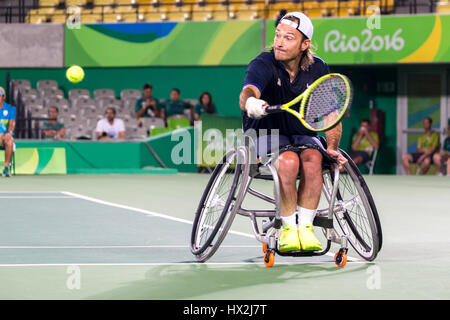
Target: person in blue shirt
x,y
277,77
7,125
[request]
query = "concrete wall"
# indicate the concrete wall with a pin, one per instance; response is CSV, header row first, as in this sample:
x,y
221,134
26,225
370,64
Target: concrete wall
x,y
26,45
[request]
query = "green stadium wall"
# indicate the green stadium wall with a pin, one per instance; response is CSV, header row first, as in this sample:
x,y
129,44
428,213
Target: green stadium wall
x,y
225,84
89,157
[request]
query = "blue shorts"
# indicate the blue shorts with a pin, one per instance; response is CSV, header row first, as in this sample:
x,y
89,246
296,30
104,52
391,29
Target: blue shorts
x,y
279,144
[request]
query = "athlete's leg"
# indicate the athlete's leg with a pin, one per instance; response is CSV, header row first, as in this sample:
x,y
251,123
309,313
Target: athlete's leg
x,y
308,197
288,168
311,179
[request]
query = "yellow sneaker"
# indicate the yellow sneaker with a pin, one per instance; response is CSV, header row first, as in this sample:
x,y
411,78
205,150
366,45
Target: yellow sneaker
x,y
308,240
289,239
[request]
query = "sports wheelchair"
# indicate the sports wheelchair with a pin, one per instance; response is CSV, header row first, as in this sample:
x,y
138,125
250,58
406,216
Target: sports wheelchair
x,y
348,204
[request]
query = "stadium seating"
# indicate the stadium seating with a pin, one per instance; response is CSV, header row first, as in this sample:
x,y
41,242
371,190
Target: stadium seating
x,y
112,11
81,109
177,122
76,2
443,7
157,131
49,3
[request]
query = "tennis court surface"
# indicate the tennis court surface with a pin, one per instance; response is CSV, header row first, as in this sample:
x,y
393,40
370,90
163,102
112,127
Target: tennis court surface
x,y
127,237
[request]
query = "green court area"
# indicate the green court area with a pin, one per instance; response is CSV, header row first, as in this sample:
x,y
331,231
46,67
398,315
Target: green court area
x,y
127,237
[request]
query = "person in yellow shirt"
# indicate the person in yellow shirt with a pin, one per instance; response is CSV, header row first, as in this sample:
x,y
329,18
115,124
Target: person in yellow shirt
x,y
427,145
364,142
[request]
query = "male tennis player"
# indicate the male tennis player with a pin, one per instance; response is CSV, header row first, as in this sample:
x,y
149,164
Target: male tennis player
x,y
277,77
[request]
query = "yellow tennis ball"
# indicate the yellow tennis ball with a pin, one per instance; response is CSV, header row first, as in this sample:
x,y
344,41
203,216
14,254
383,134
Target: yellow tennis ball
x,y
75,74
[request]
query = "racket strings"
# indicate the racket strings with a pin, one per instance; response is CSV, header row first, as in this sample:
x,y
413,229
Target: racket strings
x,y
326,102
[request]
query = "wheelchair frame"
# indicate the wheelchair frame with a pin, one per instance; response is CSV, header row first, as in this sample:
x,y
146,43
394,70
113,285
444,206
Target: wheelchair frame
x,y
243,174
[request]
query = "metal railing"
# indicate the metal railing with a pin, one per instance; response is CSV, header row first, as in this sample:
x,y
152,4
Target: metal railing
x,y
27,126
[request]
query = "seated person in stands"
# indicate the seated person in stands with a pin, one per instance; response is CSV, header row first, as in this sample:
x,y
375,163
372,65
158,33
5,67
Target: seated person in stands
x,y
204,105
444,155
174,106
53,129
364,142
147,106
110,127
427,145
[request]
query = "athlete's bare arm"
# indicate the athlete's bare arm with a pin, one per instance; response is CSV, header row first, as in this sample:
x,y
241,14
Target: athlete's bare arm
x,y
334,136
248,91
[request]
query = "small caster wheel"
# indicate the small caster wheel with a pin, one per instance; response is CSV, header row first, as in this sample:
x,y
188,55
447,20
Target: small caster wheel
x,y
340,258
269,259
264,247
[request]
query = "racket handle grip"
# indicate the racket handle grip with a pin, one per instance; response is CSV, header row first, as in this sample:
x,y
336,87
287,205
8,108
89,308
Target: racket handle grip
x,y
273,109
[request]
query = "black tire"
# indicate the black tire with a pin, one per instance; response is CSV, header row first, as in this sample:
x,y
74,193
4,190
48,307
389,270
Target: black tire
x,y
360,222
214,214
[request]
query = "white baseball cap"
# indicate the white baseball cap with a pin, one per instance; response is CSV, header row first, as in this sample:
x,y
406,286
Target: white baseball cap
x,y
305,25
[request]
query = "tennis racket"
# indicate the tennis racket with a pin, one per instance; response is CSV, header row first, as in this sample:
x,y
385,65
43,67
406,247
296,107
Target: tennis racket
x,y
323,104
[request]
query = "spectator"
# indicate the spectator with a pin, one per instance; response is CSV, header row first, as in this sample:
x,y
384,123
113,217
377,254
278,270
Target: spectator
x,y
174,106
444,156
364,142
427,145
53,129
110,127
7,125
204,104
147,106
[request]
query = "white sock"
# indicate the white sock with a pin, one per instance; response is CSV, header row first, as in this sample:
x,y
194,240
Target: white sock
x,y
305,216
290,220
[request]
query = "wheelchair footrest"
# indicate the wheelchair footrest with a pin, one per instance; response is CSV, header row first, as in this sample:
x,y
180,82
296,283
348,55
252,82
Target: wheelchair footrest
x,y
323,222
301,253
305,253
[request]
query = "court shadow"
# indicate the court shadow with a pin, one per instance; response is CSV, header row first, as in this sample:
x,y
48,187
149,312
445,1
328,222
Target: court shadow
x,y
188,281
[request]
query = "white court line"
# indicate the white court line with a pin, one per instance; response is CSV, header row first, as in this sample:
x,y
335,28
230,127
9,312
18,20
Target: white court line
x,y
156,214
30,192
36,197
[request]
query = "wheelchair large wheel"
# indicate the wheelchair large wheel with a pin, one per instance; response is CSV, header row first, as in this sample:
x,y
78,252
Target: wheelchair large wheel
x,y
357,215
219,203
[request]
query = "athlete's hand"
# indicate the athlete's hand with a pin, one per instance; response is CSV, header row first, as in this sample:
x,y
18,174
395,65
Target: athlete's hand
x,y
340,159
255,108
